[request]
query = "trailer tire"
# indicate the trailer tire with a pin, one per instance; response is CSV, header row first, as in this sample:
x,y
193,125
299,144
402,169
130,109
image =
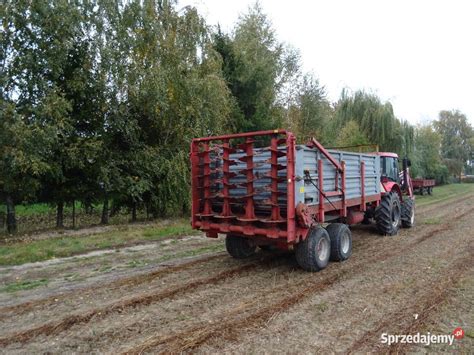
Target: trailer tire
x,y
422,191
313,253
341,241
408,213
388,214
239,247
430,190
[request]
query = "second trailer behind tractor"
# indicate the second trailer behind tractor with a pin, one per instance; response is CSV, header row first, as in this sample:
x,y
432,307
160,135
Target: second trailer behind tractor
x,y
261,189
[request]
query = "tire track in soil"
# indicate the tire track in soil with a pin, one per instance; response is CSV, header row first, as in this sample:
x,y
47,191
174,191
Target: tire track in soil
x,y
429,303
23,308
54,328
226,328
255,318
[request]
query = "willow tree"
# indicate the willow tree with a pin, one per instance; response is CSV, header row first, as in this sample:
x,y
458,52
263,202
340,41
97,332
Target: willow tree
x,y
376,120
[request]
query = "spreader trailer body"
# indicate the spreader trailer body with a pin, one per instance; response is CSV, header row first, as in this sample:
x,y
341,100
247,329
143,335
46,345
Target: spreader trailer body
x,y
262,189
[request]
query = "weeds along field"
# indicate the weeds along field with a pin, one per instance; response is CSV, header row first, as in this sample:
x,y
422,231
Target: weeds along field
x,y
162,288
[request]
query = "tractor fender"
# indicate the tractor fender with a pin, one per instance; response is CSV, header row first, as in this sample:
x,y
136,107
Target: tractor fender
x,y
391,186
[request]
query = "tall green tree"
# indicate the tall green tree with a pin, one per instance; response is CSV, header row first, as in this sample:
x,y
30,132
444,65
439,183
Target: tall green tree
x,y
166,88
376,120
256,67
308,111
427,161
456,139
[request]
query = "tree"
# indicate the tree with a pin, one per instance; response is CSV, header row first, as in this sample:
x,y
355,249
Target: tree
x,y
456,139
351,135
427,161
166,88
376,120
308,111
256,67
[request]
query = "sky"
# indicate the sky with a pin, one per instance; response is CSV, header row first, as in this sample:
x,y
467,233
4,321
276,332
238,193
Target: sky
x,y
417,54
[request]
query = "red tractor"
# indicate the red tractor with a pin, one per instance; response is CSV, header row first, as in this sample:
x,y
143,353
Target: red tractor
x,y
397,206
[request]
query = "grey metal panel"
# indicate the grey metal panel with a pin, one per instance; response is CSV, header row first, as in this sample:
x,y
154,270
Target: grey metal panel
x,y
310,157
306,158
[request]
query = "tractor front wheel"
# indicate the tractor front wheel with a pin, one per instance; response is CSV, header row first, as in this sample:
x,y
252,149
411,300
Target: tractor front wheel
x,y
313,253
239,247
388,214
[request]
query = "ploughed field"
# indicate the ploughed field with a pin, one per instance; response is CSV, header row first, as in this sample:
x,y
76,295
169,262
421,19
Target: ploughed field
x,y
185,294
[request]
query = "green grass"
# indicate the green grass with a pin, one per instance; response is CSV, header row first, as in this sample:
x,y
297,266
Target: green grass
x,y
24,285
39,209
445,192
431,221
40,250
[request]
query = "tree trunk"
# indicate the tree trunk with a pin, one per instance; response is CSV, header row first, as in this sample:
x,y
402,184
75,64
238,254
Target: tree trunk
x,y
147,207
60,215
134,212
11,218
73,214
105,212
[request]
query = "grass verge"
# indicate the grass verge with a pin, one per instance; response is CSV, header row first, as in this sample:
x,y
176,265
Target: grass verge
x,y
40,250
445,192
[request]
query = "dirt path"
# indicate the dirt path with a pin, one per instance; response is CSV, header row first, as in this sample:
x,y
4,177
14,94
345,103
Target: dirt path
x,y
173,301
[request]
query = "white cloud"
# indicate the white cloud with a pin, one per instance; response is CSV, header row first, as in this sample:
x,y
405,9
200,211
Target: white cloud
x,y
417,54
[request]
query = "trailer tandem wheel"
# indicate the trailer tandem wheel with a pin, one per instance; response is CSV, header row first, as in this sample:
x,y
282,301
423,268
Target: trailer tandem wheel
x,y
341,241
313,253
239,247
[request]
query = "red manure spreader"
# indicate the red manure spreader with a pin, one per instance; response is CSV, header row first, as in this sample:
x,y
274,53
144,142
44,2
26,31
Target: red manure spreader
x,y
261,189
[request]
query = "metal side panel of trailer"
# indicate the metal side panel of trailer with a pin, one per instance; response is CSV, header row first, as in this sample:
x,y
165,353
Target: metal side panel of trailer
x,y
306,191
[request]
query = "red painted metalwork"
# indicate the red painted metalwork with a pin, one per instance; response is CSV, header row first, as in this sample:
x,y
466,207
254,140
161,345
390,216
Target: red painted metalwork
x,y
287,224
362,186
316,144
249,204
243,135
343,188
321,191
226,210
206,183
194,183
275,217
354,217
290,176
417,183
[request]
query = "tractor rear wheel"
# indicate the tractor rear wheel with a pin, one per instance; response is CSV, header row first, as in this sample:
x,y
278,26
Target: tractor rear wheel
x,y
408,213
341,241
313,253
388,214
239,247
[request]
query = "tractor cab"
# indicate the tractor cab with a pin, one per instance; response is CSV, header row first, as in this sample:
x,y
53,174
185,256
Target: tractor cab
x,y
389,167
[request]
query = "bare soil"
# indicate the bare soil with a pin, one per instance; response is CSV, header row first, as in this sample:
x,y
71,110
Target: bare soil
x,y
187,295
